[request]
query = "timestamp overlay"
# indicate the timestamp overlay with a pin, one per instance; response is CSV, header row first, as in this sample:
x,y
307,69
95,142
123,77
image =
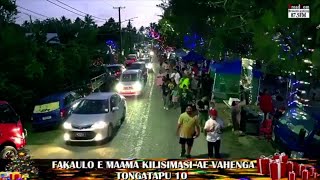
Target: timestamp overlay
x,y
298,11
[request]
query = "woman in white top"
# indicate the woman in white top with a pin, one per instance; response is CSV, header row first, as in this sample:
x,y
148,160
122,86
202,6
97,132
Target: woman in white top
x,y
213,130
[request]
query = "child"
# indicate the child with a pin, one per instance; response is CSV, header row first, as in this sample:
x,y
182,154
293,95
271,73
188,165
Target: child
x,y
175,96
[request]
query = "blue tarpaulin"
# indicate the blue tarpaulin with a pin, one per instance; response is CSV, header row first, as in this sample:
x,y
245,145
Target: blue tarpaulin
x,y
227,67
256,73
193,57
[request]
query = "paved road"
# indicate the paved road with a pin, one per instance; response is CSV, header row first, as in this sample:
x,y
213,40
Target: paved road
x,y
148,132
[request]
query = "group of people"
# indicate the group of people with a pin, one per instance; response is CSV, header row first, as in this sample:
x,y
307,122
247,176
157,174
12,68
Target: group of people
x,y
181,87
190,125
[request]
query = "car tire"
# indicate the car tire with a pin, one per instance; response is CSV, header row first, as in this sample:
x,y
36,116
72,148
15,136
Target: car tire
x,y
8,152
110,131
124,115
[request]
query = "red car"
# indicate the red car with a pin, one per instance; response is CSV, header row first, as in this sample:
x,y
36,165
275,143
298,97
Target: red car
x,y
115,70
131,58
12,134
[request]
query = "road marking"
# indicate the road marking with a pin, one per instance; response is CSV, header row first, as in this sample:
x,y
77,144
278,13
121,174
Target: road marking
x,y
145,122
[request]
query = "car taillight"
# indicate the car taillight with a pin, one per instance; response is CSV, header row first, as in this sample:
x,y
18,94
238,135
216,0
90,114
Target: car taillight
x,y
63,113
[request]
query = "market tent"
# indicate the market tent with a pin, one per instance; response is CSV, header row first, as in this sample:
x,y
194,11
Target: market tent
x,y
228,67
193,57
181,52
227,76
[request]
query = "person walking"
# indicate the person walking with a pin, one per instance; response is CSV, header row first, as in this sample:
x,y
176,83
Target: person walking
x,y
213,131
176,76
236,116
203,107
188,129
175,96
194,86
185,98
265,103
166,95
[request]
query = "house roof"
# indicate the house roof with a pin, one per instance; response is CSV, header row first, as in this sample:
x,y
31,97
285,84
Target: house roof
x,y
51,38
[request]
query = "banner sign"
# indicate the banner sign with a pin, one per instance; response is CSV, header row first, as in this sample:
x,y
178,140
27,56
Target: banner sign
x,y
273,167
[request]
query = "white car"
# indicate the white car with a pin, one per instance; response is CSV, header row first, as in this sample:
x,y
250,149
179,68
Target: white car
x,y
95,117
131,83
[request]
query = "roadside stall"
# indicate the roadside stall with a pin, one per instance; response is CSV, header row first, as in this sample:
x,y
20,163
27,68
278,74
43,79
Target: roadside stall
x,y
226,76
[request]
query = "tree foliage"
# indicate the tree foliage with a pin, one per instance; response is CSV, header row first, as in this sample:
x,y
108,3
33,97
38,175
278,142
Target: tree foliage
x,y
31,68
243,28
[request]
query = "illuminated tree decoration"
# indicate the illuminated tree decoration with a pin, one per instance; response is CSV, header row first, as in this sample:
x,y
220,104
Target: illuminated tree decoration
x,y
23,164
192,41
112,44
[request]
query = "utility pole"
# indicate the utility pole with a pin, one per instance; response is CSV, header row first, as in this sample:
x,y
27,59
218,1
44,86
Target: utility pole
x,y
31,24
120,33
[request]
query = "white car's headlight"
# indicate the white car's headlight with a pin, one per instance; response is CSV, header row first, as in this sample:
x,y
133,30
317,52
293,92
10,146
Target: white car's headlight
x,y
119,87
99,125
67,125
151,53
137,86
149,65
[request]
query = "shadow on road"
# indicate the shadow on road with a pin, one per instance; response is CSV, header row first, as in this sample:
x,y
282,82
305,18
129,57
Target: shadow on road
x,y
223,155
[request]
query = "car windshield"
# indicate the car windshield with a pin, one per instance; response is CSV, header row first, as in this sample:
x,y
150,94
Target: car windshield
x,y
7,114
135,66
89,106
114,69
129,77
296,119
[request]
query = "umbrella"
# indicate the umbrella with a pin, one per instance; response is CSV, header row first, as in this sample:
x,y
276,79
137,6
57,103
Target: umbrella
x,y
181,53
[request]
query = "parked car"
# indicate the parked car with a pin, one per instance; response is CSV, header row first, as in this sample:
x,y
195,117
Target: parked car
x,y
131,83
52,110
95,118
12,134
140,66
132,56
298,132
115,70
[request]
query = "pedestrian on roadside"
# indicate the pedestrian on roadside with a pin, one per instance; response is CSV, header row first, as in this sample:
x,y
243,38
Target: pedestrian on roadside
x,y
236,116
213,131
185,98
175,96
203,107
176,76
165,95
188,129
194,86
265,103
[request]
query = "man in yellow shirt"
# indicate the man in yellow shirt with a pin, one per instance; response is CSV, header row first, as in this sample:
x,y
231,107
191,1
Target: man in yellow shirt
x,y
188,129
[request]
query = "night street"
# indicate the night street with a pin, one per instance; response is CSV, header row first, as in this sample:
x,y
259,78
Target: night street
x,y
148,132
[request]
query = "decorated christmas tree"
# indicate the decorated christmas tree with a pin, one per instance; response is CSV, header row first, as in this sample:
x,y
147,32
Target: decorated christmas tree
x,y
23,164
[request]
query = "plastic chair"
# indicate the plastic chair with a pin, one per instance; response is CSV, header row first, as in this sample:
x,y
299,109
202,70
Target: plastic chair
x,y
266,129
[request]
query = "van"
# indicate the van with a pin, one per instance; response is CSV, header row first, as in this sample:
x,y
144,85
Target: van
x,y
12,134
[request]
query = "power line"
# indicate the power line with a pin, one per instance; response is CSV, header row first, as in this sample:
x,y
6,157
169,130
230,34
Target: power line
x,y
34,12
20,12
66,9
80,11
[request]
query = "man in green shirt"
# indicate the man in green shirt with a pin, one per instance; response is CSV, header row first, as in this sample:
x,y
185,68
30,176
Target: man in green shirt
x,y
188,129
